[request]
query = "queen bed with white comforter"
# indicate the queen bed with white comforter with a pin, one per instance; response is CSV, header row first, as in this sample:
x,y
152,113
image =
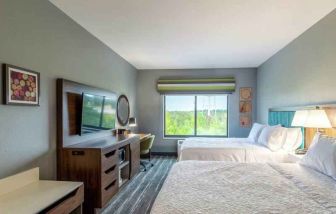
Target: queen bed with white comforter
x,y
264,144
241,150
308,186
215,187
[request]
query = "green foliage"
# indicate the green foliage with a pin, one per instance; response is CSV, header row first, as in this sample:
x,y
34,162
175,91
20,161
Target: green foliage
x,y
92,110
108,121
212,122
180,123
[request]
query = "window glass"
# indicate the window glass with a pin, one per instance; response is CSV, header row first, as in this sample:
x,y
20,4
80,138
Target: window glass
x,y
212,115
180,115
195,115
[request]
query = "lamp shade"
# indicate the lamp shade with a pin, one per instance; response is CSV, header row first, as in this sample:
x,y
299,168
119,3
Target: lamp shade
x,y
132,122
311,119
317,119
300,118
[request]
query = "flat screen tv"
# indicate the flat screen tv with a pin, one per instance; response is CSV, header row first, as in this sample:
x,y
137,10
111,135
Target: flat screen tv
x,y
98,113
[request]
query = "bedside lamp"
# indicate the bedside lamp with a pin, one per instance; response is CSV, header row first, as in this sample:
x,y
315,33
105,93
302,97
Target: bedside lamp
x,y
132,122
316,118
300,118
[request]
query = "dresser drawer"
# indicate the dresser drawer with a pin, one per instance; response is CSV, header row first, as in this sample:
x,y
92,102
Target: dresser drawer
x,y
109,175
109,159
109,191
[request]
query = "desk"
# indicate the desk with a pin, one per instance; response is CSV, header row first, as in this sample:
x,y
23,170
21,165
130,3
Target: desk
x,y
25,193
142,136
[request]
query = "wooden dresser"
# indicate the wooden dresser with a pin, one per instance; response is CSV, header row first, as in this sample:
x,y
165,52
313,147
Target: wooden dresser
x,y
96,163
91,158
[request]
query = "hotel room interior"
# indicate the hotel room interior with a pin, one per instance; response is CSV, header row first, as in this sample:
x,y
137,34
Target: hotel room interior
x,y
167,106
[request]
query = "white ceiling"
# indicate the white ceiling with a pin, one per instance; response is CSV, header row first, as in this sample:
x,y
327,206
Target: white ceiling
x,y
167,34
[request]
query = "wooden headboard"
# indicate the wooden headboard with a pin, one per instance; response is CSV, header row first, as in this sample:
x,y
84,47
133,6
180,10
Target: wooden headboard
x,y
284,116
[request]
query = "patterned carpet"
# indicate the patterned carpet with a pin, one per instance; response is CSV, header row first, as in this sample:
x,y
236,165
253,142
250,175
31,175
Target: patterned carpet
x,y
139,194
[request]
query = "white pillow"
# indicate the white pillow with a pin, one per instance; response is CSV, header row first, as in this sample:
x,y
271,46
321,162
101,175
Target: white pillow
x,y
321,156
316,138
265,132
275,138
255,132
293,139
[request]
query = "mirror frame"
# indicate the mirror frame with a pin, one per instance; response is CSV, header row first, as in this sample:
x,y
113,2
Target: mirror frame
x,y
123,123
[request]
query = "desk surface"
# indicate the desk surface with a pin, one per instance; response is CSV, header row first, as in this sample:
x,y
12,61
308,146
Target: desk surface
x,y
36,196
25,193
142,136
103,142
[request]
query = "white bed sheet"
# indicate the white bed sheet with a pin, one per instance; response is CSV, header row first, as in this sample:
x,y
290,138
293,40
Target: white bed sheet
x,y
224,187
240,150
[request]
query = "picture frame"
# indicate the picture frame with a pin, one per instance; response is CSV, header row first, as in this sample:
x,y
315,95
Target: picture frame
x,y
245,107
245,120
245,94
21,86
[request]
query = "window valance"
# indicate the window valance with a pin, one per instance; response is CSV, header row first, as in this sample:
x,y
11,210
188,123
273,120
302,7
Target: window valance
x,y
206,85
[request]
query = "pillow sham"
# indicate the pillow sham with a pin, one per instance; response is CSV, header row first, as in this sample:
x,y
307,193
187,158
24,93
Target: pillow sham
x,y
273,137
316,138
293,139
255,132
321,156
265,133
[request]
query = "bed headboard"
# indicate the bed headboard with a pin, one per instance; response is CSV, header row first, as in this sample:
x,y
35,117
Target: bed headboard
x,y
285,115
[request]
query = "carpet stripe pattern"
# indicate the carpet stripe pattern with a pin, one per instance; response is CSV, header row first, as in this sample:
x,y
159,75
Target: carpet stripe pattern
x,y
138,196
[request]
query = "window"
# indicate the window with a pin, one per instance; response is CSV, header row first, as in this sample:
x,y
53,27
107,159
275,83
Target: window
x,y
195,115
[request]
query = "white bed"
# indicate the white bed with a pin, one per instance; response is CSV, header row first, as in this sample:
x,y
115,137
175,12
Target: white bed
x,y
241,150
222,187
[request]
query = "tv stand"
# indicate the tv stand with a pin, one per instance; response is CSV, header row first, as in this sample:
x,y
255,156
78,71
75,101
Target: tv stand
x,y
96,163
91,158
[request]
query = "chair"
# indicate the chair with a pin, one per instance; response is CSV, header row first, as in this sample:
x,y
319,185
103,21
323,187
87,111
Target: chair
x,y
145,151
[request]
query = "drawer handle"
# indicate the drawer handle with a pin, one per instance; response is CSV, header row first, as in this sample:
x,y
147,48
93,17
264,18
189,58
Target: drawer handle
x,y
110,185
109,154
75,153
110,169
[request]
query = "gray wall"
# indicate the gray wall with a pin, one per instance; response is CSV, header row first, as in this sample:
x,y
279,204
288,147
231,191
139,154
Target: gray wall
x,y
36,35
302,73
150,105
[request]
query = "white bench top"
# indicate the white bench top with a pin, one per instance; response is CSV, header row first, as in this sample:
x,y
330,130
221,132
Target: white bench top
x,y
25,193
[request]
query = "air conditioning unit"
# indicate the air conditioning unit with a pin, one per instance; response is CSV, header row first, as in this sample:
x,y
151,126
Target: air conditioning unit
x,y
179,145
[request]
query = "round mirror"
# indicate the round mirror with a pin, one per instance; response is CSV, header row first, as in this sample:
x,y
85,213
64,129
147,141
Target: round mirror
x,y
123,110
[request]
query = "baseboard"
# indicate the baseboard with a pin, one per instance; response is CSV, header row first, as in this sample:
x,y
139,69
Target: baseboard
x,y
165,153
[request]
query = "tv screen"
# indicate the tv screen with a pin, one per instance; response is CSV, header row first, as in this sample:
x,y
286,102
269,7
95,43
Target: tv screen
x,y
98,113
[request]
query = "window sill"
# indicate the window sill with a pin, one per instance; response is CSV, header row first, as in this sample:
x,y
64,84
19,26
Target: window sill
x,y
183,138
174,138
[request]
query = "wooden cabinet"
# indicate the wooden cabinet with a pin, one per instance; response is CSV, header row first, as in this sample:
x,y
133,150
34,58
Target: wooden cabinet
x,y
135,158
97,165
91,158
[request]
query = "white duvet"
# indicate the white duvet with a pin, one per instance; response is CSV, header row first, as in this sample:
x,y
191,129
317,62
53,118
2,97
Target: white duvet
x,y
222,187
229,149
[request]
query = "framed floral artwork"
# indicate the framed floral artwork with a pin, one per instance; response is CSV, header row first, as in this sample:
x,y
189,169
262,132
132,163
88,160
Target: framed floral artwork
x,y
245,94
245,107
21,86
245,121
